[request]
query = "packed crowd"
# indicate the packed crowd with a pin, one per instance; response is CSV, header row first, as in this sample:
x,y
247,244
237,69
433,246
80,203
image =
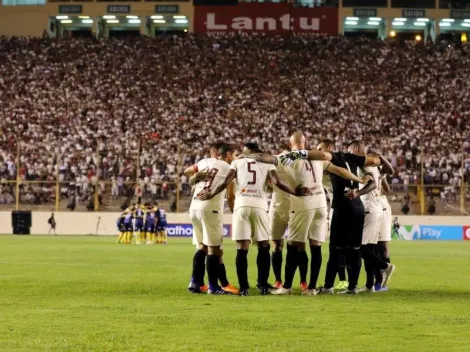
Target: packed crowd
x,y
110,110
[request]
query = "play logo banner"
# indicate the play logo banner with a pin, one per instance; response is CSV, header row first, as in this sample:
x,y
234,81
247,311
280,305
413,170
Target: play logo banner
x,y
428,232
406,232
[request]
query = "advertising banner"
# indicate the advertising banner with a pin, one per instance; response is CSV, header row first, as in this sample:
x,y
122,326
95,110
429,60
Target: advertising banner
x,y
266,18
428,232
466,233
186,230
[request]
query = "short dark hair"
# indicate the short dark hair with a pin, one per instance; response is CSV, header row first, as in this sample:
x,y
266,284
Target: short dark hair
x,y
327,142
225,148
253,147
355,143
216,145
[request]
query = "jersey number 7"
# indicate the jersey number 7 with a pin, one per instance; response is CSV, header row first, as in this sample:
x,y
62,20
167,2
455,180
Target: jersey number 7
x,y
252,172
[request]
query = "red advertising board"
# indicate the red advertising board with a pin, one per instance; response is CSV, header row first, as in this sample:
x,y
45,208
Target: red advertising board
x,y
266,18
466,233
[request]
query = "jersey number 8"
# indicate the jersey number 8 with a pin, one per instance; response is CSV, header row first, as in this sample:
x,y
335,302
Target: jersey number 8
x,y
210,177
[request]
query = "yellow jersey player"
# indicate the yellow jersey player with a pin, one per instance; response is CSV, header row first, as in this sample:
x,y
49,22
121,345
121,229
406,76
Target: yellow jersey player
x,y
139,215
126,227
161,225
150,224
121,227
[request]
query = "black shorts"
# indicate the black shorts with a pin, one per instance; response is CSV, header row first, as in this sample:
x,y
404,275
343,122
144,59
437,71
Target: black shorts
x,y
347,225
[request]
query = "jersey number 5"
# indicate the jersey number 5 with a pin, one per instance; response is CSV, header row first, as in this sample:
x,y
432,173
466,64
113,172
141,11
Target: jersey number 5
x,y
252,172
210,177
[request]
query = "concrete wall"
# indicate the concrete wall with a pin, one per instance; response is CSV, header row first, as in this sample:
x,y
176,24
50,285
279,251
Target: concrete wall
x,y
82,223
34,20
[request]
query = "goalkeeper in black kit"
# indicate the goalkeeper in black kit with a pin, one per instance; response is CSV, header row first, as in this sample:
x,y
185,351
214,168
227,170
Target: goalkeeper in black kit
x,y
348,216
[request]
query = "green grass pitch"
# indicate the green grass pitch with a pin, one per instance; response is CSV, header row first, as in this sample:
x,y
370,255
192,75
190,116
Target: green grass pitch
x,y
90,294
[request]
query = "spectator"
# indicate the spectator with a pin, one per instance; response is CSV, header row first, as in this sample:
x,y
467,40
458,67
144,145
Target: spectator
x,y
90,108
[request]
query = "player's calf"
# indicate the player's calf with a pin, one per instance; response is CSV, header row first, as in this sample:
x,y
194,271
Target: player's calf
x,y
197,275
292,262
241,263
213,266
276,260
264,264
315,263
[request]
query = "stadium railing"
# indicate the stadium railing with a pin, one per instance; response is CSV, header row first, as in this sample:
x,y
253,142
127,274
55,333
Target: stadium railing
x,y
113,188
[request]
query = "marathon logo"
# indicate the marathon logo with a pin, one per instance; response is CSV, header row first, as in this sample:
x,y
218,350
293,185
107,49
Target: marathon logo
x,y
186,230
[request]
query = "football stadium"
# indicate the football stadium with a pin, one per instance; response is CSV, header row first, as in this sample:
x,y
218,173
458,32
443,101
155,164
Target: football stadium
x,y
234,175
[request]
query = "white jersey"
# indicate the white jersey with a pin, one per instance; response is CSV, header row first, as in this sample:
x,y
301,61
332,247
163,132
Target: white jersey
x,y
384,201
218,170
328,186
251,178
371,200
309,174
281,200
327,183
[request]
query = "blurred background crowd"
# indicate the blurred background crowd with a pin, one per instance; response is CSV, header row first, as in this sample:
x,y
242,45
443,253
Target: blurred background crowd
x,y
114,120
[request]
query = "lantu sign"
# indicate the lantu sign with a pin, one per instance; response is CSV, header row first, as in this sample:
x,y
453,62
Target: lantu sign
x,y
262,23
272,18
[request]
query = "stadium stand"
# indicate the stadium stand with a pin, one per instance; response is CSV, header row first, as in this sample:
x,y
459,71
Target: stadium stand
x,y
126,115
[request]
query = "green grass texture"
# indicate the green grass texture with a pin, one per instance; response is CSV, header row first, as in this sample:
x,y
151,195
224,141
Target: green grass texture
x,y
91,294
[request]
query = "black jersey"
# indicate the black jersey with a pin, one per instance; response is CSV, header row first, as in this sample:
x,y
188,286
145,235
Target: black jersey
x,y
341,186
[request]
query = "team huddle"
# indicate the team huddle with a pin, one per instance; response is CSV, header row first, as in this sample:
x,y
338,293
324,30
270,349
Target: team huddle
x,y
360,217
146,222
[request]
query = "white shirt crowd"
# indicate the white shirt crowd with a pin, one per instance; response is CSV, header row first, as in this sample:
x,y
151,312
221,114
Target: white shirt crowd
x,y
109,110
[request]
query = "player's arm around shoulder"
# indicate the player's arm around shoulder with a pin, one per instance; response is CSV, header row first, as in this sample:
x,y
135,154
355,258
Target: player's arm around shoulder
x,y
317,155
208,194
387,167
369,187
341,172
372,160
191,170
385,186
273,176
231,196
